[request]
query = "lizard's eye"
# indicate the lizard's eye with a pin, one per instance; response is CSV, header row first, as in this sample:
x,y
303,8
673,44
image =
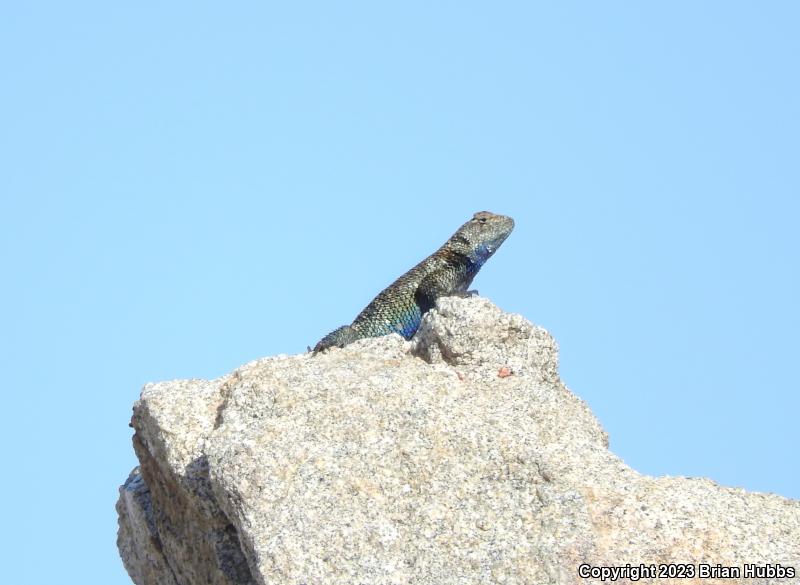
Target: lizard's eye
x,y
482,219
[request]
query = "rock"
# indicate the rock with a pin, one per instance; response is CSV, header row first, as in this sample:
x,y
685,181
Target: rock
x,y
458,457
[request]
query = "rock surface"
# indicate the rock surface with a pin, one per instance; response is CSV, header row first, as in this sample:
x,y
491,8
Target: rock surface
x,y
458,457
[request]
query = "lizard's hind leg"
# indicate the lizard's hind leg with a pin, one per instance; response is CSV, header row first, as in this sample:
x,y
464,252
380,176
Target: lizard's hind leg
x,y
337,338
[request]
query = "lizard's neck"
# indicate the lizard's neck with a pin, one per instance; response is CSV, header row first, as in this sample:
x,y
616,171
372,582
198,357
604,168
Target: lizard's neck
x,y
479,255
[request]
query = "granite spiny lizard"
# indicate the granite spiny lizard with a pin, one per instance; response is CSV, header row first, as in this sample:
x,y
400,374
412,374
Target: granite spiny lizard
x,y
448,271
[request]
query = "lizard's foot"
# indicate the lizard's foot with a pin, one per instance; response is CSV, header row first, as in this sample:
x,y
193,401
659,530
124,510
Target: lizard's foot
x,y
337,338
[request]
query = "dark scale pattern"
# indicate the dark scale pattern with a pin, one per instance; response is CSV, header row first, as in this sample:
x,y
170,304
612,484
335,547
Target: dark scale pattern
x,y
400,306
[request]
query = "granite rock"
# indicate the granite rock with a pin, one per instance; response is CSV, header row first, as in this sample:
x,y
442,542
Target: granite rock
x,y
456,458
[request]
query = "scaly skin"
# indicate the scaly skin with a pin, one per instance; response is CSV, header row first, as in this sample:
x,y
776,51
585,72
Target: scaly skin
x,y
448,271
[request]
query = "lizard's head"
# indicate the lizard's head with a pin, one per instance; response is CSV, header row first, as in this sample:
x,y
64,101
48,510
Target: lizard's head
x,y
480,237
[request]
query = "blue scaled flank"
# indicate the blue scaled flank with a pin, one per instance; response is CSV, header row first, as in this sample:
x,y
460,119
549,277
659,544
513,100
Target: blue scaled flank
x,y
410,323
405,322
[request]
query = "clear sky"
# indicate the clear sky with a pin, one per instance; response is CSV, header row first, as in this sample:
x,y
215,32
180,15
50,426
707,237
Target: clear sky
x,y
187,186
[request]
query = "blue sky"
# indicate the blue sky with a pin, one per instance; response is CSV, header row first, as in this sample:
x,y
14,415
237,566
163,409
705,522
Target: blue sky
x,y
189,186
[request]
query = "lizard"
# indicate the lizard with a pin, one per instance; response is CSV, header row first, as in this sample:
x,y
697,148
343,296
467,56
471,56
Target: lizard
x,y
449,271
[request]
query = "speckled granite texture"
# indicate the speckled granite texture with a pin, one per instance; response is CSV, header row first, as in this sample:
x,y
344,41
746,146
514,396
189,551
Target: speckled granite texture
x,y
456,458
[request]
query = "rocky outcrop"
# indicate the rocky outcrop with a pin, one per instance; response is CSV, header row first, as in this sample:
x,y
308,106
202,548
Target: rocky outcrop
x,y
458,457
